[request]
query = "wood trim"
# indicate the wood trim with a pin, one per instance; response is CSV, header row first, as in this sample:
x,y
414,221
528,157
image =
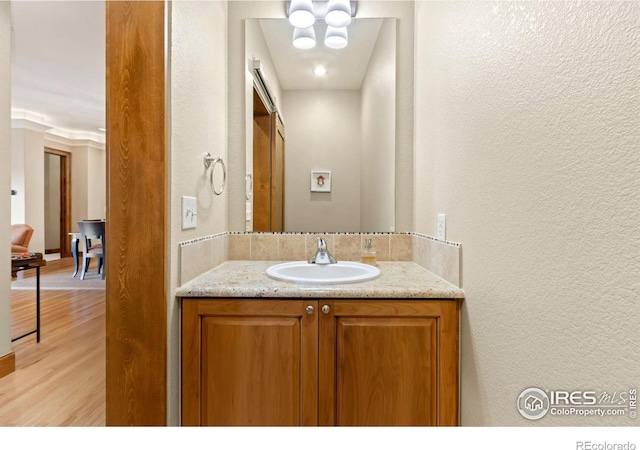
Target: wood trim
x,y
136,223
449,364
7,364
326,365
65,200
309,388
191,374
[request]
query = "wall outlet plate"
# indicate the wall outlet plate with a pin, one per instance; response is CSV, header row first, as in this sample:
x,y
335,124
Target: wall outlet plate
x,y
442,227
189,212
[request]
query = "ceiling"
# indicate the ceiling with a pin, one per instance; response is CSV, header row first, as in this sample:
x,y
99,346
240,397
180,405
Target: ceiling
x,y
58,64
345,67
58,61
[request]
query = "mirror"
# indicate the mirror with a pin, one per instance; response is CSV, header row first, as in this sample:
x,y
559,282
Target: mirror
x,y
338,129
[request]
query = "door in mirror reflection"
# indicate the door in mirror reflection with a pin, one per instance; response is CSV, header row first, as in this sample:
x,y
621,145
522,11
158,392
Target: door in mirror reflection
x,y
268,168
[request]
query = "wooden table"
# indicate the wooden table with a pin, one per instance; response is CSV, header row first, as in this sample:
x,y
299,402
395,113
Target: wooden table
x,y
19,264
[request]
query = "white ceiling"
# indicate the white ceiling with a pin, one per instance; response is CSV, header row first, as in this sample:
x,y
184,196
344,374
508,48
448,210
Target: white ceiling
x,y
345,67
58,63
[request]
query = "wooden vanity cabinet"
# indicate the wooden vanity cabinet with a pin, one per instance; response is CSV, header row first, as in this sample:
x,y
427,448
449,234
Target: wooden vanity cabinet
x,y
320,362
249,362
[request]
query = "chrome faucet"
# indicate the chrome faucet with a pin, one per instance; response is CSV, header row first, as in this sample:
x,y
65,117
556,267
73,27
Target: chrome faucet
x,y
322,255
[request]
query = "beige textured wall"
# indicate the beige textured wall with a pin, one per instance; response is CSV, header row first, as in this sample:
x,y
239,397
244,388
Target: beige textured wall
x,y
378,128
323,133
5,176
96,183
17,178
28,147
527,120
198,124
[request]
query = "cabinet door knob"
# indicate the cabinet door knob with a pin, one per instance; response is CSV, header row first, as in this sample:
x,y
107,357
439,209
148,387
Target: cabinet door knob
x,y
310,309
326,309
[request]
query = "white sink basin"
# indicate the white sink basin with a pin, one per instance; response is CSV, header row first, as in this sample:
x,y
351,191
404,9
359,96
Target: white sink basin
x,y
340,273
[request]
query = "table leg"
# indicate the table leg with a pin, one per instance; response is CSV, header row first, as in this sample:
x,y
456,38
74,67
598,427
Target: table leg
x,y
38,304
74,252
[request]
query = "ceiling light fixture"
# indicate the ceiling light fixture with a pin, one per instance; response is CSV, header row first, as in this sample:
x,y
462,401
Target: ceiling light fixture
x,y
304,38
320,71
336,38
301,13
338,13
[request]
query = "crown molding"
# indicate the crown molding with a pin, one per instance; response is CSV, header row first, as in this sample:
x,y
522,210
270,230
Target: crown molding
x,y
29,121
63,140
27,124
76,138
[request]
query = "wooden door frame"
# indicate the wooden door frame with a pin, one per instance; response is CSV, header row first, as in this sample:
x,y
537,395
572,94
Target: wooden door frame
x,y
65,199
137,208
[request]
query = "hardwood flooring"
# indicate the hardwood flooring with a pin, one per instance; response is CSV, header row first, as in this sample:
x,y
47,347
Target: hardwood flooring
x,y
61,380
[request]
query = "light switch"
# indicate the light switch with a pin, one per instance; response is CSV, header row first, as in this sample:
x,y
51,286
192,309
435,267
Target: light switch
x,y
189,212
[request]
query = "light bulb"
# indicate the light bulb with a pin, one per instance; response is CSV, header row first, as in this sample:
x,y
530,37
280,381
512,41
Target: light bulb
x,y
320,71
336,38
301,13
304,38
338,13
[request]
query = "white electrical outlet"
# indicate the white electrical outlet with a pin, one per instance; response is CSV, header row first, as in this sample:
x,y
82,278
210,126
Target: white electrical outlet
x,y
189,212
442,227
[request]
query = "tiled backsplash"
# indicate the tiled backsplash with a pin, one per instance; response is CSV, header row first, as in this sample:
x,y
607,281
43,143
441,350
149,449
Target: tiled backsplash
x,y
200,255
300,246
439,257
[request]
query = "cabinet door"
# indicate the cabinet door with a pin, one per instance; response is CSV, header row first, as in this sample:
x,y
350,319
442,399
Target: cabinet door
x,y
389,363
256,363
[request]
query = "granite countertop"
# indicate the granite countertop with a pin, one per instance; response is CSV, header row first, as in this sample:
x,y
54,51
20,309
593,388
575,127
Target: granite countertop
x,y
398,279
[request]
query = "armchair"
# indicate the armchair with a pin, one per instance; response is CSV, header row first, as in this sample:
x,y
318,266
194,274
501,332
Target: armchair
x,y
20,238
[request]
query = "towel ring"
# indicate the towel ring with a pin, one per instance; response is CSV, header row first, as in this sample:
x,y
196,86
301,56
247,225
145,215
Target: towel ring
x,y
248,186
210,161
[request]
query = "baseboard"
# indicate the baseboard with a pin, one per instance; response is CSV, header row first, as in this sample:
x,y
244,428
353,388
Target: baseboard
x,y
51,250
7,364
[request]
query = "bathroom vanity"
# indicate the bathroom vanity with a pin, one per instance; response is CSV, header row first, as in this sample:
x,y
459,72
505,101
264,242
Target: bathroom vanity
x,y
257,351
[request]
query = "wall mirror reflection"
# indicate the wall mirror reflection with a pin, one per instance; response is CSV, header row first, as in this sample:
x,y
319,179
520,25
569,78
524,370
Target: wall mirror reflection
x,y
326,110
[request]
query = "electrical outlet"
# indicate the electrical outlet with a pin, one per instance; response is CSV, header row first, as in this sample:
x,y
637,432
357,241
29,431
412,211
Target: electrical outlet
x,y
189,212
442,227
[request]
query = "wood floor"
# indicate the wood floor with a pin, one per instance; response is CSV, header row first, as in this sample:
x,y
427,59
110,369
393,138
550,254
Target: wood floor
x,y
61,380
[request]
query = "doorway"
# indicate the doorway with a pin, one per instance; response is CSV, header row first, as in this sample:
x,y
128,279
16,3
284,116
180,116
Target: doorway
x,y
57,202
268,167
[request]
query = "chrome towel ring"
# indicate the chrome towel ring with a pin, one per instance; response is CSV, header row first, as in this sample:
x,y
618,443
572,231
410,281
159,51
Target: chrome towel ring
x,y
211,162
